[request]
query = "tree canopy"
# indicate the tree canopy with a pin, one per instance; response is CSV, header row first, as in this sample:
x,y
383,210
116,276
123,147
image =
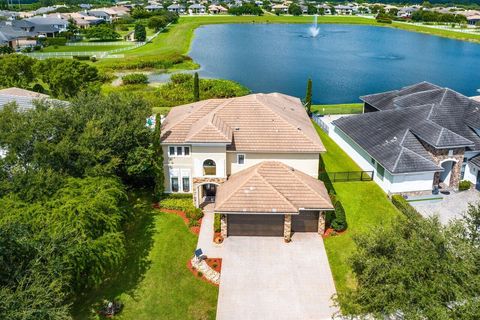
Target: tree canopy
x,y
101,32
418,268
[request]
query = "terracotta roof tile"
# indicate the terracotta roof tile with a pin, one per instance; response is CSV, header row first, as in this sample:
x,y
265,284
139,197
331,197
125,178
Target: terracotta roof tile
x,y
271,187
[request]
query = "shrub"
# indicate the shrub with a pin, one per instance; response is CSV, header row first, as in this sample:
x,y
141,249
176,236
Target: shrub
x,y
194,213
200,274
93,59
135,78
55,41
177,203
81,58
217,225
464,185
179,78
193,223
405,207
340,221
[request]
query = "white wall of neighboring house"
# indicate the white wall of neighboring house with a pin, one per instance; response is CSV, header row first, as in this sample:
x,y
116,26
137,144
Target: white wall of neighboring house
x,y
390,183
305,162
470,171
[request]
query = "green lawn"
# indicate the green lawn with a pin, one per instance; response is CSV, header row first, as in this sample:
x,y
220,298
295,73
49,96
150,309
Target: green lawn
x,y
347,108
155,282
366,206
80,48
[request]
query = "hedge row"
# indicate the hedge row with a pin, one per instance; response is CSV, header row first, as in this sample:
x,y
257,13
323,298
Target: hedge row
x,y
182,203
405,207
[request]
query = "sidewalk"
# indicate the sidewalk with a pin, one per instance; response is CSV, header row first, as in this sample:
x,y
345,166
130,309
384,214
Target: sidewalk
x,y
205,239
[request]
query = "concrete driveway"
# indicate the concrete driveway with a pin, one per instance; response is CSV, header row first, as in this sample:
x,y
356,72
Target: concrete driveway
x,y
451,207
266,278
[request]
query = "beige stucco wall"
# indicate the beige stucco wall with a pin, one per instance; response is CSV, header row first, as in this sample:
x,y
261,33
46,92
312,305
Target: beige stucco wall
x,y
305,162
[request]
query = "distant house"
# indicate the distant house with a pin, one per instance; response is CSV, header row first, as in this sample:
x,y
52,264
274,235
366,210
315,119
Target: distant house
x,y
42,25
153,7
82,20
344,10
196,8
177,8
473,20
16,38
109,14
214,9
415,138
326,8
280,7
25,99
406,12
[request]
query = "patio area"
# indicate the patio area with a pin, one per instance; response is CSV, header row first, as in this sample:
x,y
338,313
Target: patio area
x,y
450,207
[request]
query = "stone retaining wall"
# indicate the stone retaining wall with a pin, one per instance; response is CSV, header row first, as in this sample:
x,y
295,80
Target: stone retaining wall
x,y
210,274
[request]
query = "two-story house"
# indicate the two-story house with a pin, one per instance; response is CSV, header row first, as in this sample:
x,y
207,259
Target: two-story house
x,y
256,157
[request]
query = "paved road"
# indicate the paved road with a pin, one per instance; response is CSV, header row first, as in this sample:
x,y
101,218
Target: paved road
x,y
266,278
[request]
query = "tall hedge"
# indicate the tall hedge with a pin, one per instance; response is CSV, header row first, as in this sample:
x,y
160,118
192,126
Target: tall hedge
x,y
340,221
405,207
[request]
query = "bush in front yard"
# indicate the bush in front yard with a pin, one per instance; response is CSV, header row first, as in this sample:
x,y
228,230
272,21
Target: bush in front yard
x,y
194,213
464,185
340,221
405,207
217,226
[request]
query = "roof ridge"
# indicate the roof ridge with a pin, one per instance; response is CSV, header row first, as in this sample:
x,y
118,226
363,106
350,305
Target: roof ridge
x,y
271,186
398,158
283,119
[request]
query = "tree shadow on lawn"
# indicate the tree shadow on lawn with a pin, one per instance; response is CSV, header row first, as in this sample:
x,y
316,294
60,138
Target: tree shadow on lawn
x,y
139,233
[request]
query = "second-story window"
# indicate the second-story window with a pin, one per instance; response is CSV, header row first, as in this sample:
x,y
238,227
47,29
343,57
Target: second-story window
x,y
240,158
178,151
209,168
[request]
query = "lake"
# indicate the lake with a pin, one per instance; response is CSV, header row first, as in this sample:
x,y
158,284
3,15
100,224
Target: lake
x,y
344,61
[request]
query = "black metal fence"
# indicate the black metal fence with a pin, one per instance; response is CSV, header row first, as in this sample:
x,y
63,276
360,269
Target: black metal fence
x,y
349,176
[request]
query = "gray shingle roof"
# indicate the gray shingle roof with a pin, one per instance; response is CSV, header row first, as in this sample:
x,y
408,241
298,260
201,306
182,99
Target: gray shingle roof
x,y
410,117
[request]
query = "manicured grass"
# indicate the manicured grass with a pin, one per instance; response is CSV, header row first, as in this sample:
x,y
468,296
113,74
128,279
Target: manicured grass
x,y
80,48
347,108
366,207
155,282
437,32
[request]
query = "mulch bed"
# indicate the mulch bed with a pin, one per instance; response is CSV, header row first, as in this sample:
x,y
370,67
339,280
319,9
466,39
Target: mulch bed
x,y
332,233
215,264
183,215
217,235
195,271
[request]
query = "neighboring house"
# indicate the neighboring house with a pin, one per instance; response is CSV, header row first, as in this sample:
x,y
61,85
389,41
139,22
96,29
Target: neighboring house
x,y
153,7
280,8
82,19
415,138
196,8
406,12
256,157
46,26
16,38
109,14
25,99
177,8
217,9
344,10
326,8
473,20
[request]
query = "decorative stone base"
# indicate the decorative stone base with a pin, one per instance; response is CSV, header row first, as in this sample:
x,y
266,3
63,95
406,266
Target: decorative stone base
x,y
197,182
287,228
223,225
208,273
321,223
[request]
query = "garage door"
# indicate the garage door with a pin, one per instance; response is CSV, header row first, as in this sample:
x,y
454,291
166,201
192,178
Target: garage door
x,y
255,225
305,222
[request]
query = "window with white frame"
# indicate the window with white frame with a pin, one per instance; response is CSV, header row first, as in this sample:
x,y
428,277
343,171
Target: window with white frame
x,y
174,184
240,158
178,151
186,184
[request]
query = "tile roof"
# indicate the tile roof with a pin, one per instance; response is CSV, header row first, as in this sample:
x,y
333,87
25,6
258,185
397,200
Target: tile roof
x,y
271,187
257,122
24,99
408,118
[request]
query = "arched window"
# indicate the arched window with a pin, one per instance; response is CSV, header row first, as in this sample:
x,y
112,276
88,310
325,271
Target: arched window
x,y
209,168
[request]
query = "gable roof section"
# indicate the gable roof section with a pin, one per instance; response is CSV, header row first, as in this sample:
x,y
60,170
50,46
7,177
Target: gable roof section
x,y
439,117
271,187
256,123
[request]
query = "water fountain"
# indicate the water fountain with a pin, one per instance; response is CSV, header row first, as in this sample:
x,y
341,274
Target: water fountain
x,y
314,30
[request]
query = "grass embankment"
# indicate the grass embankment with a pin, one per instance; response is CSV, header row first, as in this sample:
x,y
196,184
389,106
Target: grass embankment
x,y
347,108
458,35
154,282
366,207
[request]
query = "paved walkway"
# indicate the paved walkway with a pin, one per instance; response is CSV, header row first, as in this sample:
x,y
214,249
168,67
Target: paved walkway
x,y
266,278
452,206
205,239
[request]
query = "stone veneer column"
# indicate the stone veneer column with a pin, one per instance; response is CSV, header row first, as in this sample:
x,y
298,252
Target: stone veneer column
x,y
223,225
321,223
287,228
